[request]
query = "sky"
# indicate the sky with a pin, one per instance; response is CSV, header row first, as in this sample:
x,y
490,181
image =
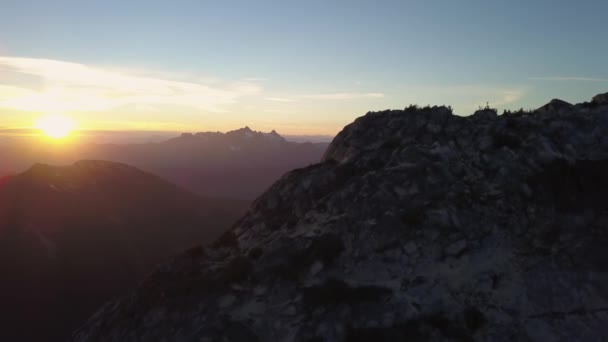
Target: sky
x,y
300,67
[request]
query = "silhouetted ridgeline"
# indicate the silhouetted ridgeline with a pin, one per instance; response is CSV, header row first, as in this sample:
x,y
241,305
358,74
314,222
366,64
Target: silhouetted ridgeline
x,y
237,164
418,225
73,237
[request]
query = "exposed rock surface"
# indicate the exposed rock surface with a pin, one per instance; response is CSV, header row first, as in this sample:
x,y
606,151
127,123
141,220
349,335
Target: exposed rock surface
x,y
418,225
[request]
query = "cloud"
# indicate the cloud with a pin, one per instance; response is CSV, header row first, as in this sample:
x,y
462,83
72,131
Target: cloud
x,y
506,97
569,78
328,96
343,96
279,99
255,79
274,111
32,84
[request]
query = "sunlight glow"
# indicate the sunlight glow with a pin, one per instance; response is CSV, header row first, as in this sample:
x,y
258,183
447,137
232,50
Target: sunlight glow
x,y
55,126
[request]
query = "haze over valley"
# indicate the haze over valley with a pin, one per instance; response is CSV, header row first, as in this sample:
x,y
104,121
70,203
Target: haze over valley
x,y
239,164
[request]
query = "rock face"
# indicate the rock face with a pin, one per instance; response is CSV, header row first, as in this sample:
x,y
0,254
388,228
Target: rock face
x,y
417,225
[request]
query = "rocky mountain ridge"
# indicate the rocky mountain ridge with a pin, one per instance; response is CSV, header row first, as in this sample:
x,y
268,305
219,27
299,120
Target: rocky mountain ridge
x,y
417,225
244,134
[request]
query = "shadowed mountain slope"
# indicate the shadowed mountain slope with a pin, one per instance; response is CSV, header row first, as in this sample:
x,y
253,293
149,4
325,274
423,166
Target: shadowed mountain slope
x,y
72,237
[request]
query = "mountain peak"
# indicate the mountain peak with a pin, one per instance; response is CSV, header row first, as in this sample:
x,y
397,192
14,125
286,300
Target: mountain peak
x,y
248,133
601,99
555,105
244,130
378,130
275,136
244,133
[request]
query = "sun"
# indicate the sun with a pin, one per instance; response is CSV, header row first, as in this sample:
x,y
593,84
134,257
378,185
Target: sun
x,y
55,126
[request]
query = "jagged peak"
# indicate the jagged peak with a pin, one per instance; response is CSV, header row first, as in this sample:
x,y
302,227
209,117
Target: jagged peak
x,y
244,133
376,129
275,136
244,130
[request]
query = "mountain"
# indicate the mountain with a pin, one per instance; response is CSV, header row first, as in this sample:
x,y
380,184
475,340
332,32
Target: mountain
x,y
72,237
237,164
418,225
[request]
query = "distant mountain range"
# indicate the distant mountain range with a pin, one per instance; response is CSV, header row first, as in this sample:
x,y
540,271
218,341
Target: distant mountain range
x,y
135,136
237,164
72,237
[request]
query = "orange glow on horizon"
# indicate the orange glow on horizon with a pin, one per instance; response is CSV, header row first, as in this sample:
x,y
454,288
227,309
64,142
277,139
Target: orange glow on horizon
x,y
56,126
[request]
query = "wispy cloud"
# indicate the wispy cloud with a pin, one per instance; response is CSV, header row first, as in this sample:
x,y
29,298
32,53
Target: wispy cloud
x,y
279,99
343,96
279,111
32,84
255,79
327,96
569,78
507,97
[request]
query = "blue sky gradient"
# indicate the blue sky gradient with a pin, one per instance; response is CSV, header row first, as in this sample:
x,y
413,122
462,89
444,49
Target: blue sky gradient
x,y
317,64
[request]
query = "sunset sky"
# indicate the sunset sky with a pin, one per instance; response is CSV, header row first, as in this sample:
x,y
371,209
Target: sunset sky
x,y
301,67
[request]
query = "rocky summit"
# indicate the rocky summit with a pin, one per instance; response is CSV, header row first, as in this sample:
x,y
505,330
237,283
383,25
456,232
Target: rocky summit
x,y
418,225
